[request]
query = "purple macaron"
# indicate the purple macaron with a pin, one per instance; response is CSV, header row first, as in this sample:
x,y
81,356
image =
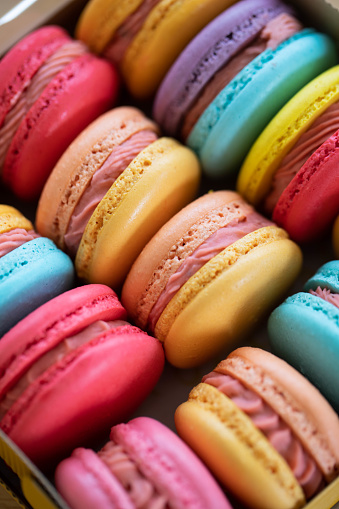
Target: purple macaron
x,y
207,53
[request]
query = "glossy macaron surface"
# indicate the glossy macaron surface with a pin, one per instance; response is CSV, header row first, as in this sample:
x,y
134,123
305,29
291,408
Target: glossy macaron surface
x,y
74,396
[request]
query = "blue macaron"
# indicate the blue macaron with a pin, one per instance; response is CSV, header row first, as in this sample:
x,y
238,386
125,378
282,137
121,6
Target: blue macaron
x,y
30,275
304,331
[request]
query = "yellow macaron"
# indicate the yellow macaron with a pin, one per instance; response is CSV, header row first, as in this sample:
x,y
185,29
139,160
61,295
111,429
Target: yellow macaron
x,y
166,28
282,133
268,435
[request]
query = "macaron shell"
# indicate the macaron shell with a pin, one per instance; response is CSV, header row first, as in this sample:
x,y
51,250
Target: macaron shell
x,y
74,170
161,245
100,19
167,30
75,97
11,218
85,481
310,203
335,237
84,394
20,64
158,183
239,455
254,96
50,324
221,312
29,276
304,331
283,132
163,457
327,276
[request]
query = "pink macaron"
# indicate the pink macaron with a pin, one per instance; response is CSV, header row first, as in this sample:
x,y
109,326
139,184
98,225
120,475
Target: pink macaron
x,y
72,368
144,464
52,88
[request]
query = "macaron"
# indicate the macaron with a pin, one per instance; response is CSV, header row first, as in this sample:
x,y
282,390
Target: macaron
x,y
208,276
268,434
143,37
234,77
70,369
112,189
304,330
52,88
144,464
32,269
291,170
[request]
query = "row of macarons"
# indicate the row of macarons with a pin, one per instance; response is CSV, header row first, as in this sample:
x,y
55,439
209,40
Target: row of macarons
x,y
223,91
74,367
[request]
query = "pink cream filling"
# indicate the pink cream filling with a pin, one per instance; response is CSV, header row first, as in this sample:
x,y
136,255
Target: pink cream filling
x,y
53,65
52,357
327,295
102,180
15,238
212,246
116,49
141,490
274,428
321,129
274,33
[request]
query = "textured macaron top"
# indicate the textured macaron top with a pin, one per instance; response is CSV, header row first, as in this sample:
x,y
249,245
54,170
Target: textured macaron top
x,y
206,54
298,402
11,218
75,170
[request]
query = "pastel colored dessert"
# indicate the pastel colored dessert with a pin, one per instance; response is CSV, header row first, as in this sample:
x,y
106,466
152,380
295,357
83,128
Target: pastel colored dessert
x,y
234,77
114,187
335,236
291,170
32,269
52,88
143,37
144,464
208,276
269,435
304,330
70,369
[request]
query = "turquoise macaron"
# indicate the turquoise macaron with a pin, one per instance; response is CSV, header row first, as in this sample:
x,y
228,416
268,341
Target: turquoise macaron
x,y
30,275
304,331
230,124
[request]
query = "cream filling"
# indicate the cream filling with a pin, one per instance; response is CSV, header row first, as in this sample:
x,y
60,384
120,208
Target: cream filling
x,y
54,356
275,430
15,238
